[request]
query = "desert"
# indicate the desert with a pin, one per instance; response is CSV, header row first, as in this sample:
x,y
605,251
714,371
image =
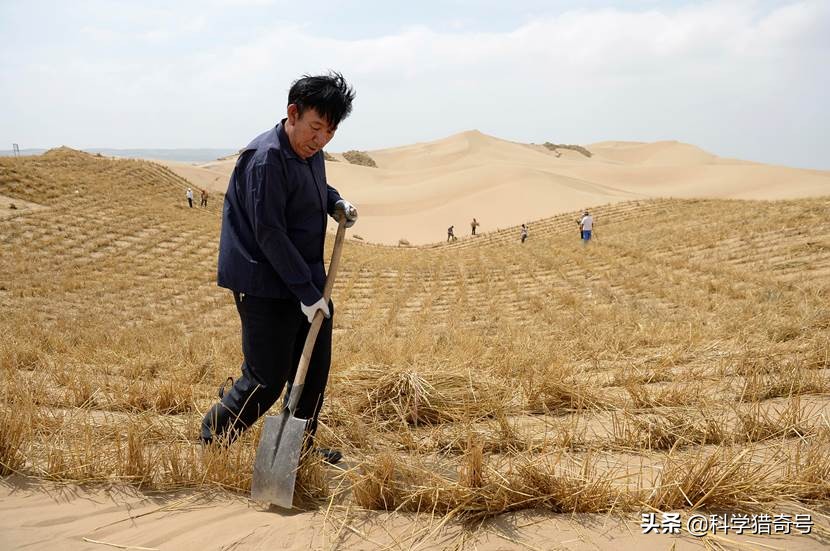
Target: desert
x,y
415,192
486,393
456,276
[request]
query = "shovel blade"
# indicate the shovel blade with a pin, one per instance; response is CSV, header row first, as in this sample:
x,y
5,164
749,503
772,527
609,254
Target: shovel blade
x,y
277,459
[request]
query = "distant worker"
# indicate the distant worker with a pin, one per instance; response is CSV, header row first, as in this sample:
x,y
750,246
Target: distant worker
x,y
586,226
450,234
524,232
189,196
474,224
203,202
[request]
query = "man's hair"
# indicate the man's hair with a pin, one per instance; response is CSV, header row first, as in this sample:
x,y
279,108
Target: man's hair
x,y
330,95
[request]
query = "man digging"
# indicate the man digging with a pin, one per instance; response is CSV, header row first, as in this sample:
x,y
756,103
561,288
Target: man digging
x,y
271,257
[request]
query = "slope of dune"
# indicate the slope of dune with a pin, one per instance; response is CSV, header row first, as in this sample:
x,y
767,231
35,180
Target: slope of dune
x,y
212,176
487,394
672,153
10,207
417,191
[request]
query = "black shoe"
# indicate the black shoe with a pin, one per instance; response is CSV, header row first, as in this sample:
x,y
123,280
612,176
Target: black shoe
x,y
222,388
332,457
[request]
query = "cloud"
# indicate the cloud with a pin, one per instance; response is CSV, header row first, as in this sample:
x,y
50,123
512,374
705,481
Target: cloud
x,y
97,34
580,41
711,73
244,3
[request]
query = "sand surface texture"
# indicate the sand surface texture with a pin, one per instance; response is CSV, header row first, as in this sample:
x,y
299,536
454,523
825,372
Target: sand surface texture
x,y
418,191
44,516
486,393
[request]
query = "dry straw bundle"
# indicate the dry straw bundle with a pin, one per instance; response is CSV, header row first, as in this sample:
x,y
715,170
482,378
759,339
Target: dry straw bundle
x,y
808,470
481,490
423,396
724,479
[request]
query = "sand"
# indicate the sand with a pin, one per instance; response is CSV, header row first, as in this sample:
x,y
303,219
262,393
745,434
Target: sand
x,y
40,515
10,207
419,190
415,193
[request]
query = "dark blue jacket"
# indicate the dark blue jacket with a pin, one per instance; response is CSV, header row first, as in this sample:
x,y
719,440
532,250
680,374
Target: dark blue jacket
x,y
274,221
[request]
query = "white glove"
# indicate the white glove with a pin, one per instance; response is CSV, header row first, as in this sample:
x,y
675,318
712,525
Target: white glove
x,y
309,311
349,210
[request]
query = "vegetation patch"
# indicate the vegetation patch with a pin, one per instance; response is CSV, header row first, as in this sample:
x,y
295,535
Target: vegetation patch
x,y
359,158
577,148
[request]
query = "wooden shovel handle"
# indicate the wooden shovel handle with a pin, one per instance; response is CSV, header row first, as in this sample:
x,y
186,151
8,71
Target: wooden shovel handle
x,y
317,322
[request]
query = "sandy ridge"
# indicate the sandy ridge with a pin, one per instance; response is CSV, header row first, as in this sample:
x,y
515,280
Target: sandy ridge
x,y
419,190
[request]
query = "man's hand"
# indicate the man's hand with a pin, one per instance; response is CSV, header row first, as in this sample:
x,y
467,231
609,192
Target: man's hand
x,y
348,211
309,311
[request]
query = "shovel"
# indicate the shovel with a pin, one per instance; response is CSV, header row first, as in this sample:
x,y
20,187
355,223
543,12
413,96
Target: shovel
x,y
281,440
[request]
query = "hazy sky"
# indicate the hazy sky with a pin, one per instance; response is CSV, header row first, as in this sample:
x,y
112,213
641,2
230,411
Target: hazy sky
x,y
747,79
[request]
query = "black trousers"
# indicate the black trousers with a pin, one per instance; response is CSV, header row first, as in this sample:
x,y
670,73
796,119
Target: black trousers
x,y
273,336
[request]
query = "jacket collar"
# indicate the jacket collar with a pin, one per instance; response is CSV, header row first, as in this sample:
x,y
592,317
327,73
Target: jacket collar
x,y
285,144
288,152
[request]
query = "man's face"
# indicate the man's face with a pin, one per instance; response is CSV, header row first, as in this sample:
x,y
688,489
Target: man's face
x,y
308,133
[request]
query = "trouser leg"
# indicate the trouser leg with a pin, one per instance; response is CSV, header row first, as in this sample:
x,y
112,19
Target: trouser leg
x,y
269,328
311,400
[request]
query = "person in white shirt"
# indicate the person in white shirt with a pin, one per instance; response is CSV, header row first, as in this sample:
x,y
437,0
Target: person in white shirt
x,y
586,226
189,195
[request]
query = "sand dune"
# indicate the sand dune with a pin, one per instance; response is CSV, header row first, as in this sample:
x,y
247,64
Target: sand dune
x,y
670,153
418,190
212,176
570,364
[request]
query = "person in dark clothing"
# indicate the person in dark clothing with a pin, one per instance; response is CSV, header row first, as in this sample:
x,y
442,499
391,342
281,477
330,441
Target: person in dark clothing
x,y
450,234
203,201
271,257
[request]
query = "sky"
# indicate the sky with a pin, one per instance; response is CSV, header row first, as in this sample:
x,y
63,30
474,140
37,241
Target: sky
x,y
747,78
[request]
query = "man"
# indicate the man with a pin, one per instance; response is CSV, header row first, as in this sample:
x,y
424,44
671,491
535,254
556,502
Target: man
x,y
523,234
474,224
203,202
189,195
271,257
586,225
450,234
